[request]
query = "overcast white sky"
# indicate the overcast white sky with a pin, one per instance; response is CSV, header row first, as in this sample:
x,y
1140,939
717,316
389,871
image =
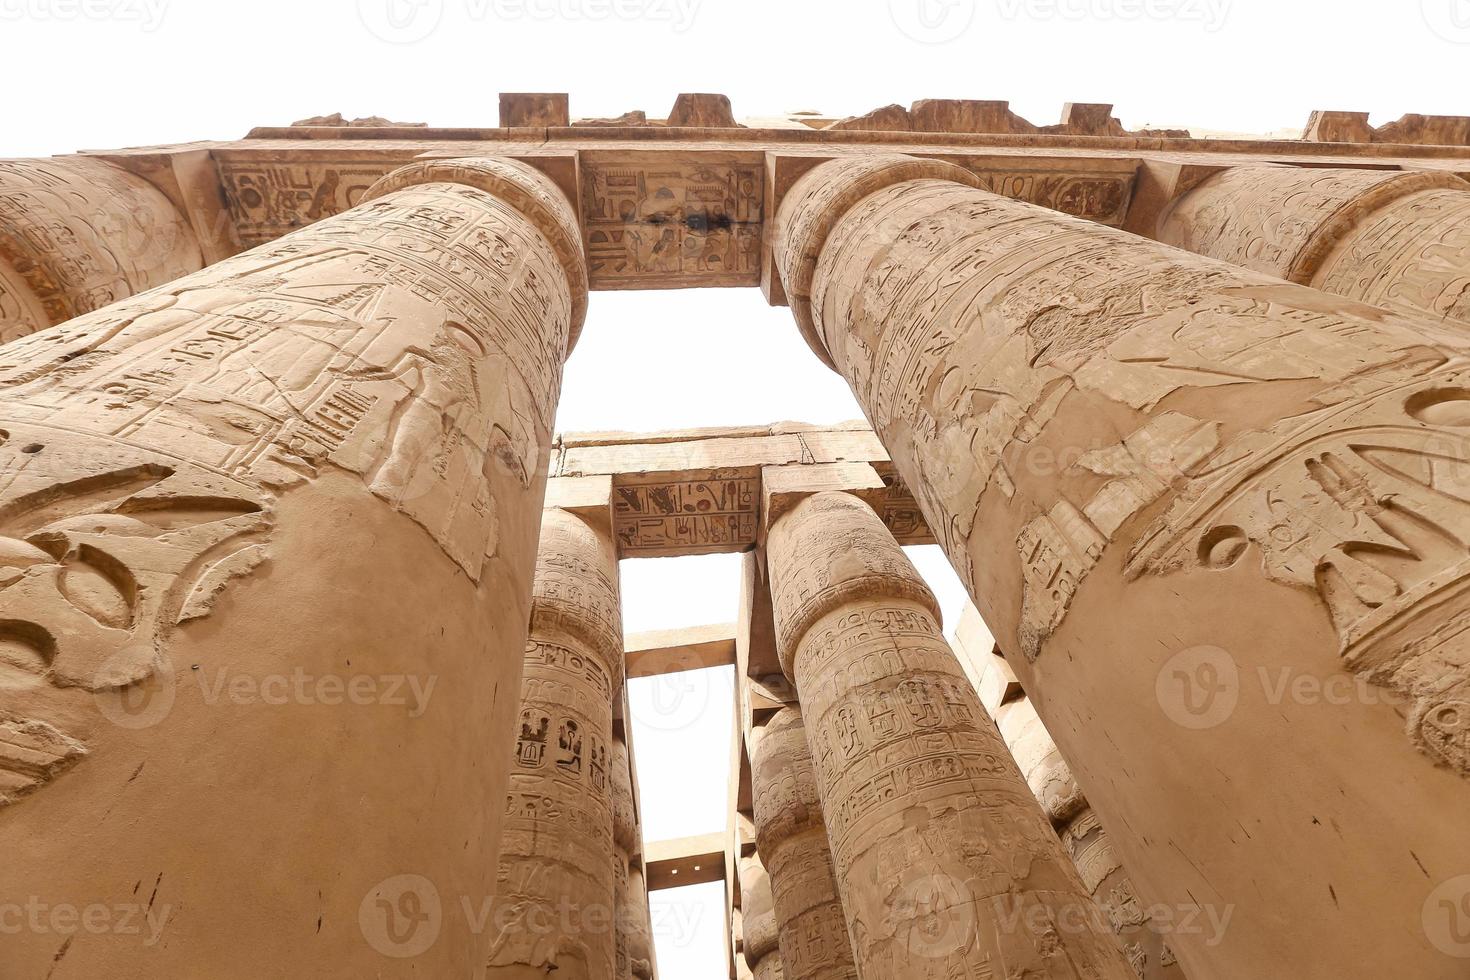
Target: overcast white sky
x,y
106,73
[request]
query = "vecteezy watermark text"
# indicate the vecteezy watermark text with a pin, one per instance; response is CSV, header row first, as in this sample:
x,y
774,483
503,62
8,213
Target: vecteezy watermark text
x,y
411,21
147,14
96,919
1210,14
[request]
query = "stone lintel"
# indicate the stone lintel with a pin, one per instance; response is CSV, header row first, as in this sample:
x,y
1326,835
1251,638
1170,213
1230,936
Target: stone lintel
x,y
686,861
703,492
673,651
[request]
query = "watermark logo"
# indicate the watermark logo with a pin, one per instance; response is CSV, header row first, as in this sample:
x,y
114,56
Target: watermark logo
x,y
938,915
1199,688
1447,917
139,706
96,919
402,916
401,21
147,14
1202,687
1450,19
676,702
932,21
1209,14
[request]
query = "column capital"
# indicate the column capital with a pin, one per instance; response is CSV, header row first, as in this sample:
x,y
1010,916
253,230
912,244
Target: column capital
x,y
524,188
868,563
1287,221
818,201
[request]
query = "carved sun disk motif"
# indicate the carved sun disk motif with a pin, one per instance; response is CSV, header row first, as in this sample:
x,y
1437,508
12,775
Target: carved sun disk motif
x,y
1441,406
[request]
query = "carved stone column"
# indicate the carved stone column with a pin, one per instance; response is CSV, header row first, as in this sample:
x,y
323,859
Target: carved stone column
x,y
1169,483
792,838
760,928
634,933
267,539
944,862
555,886
77,234
642,958
1144,940
1395,239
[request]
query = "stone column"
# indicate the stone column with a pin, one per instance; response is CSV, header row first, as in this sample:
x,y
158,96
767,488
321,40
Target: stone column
x,y
634,933
1143,938
1170,483
267,539
1395,239
760,933
945,865
791,835
77,234
555,890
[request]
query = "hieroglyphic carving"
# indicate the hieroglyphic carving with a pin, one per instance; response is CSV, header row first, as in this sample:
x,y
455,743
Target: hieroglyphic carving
x,y
759,927
901,511
633,941
20,311
1087,844
143,445
792,835
1101,197
1392,239
934,835
557,854
267,200
77,234
649,224
1317,485
711,515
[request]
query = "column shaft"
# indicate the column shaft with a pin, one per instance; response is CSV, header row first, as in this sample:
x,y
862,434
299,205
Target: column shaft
x,y
1186,497
760,927
556,881
944,862
635,956
78,234
1389,238
267,539
792,836
1144,939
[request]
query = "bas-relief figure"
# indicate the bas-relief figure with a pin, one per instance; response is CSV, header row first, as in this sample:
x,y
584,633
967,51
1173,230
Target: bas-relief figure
x,y
1394,239
943,860
174,466
77,234
555,874
1280,446
301,449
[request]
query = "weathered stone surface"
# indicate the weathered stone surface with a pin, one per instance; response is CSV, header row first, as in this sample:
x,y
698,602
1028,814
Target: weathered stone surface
x,y
944,862
78,234
966,116
1399,240
703,111
633,929
890,118
636,117
1144,940
760,934
1326,126
534,109
362,122
1287,470
266,548
792,835
556,879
